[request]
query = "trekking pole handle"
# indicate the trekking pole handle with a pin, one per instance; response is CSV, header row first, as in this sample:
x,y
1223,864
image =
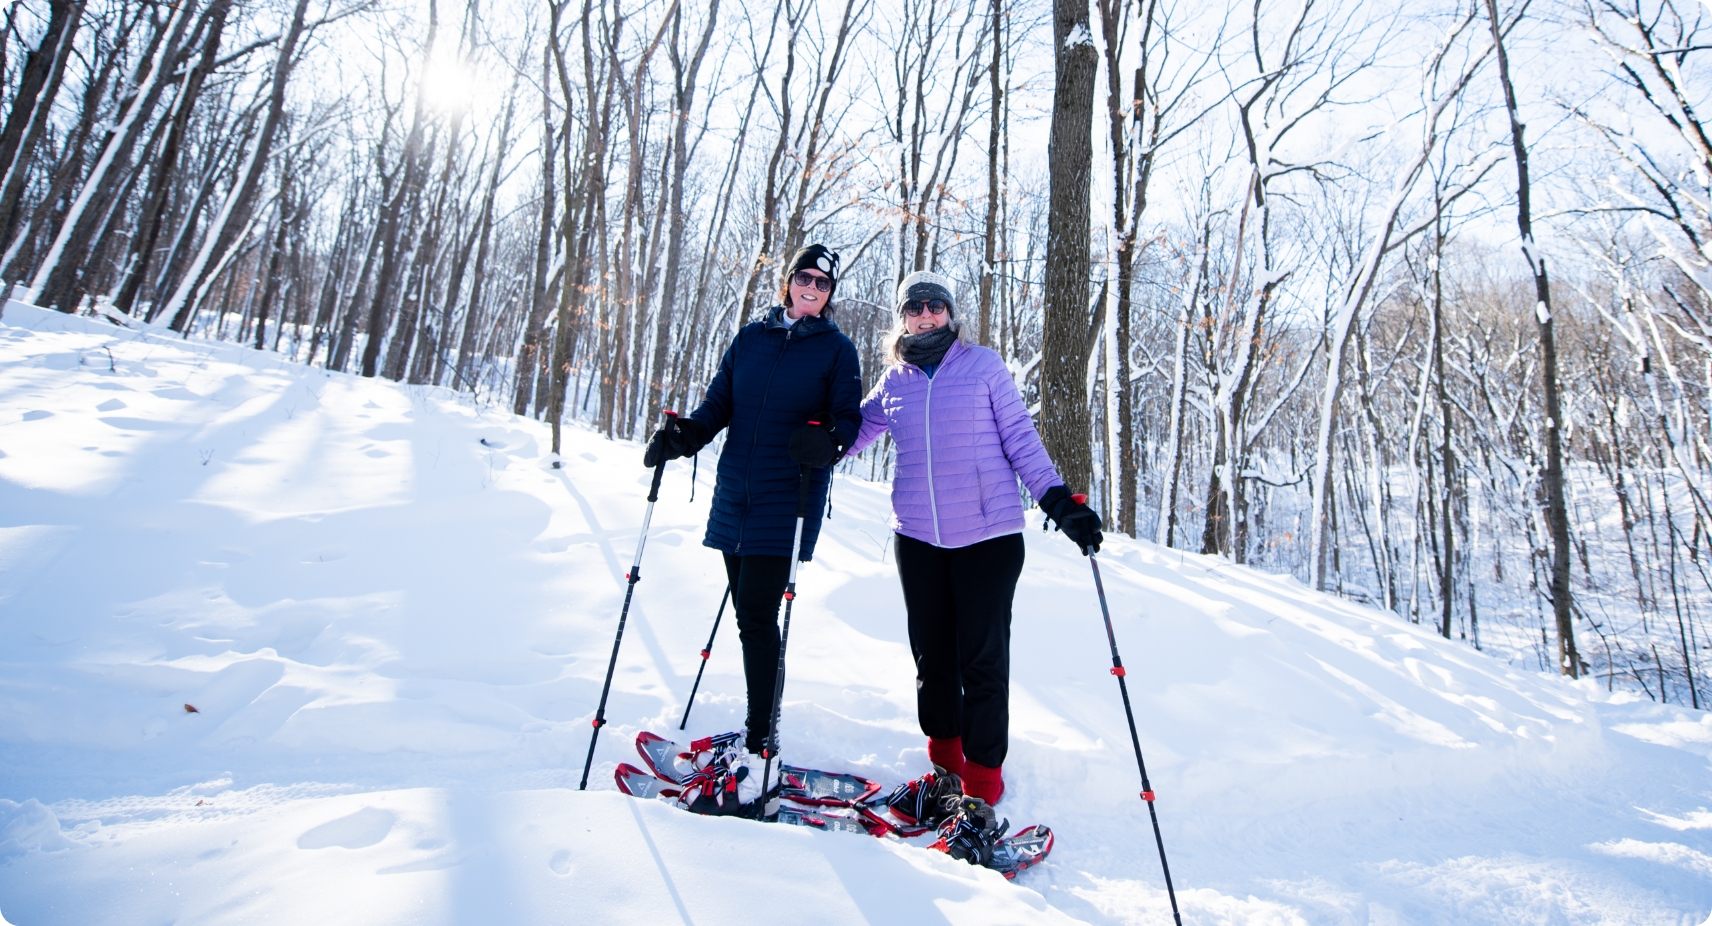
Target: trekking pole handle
x,y
660,468
803,484
1080,498
802,494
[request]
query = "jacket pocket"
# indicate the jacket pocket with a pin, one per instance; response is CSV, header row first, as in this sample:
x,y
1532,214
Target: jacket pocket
x,y
982,483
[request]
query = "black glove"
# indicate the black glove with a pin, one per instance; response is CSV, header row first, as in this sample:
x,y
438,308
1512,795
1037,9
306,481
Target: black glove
x,y
681,437
1076,520
813,446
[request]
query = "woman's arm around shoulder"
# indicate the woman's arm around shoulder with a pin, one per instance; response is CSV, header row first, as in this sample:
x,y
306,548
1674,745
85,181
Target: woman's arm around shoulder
x,y
874,420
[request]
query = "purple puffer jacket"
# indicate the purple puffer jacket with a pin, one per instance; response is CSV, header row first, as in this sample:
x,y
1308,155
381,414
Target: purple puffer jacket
x,y
963,438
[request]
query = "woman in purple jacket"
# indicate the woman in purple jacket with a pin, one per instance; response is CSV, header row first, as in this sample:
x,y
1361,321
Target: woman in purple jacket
x,y
964,437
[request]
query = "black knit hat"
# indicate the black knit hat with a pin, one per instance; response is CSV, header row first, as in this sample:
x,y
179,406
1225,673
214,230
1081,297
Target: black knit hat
x,y
817,257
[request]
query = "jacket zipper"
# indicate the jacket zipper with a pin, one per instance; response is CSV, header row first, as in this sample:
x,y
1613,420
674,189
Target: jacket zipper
x,y
749,471
927,420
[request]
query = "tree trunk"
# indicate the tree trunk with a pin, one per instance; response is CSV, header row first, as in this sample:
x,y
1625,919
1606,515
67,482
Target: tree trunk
x,y
1064,368
686,88
392,231
153,215
276,258
472,315
1557,515
59,279
990,239
32,106
418,283
770,200
185,236
529,354
346,340
234,214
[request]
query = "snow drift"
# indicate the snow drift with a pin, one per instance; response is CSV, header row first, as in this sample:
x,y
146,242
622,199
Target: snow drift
x,y
392,616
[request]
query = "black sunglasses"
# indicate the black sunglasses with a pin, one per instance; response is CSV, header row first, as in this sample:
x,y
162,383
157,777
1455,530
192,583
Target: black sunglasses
x,y
936,306
804,278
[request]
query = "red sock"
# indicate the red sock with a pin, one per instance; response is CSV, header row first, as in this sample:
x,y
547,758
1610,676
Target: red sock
x,y
946,753
988,784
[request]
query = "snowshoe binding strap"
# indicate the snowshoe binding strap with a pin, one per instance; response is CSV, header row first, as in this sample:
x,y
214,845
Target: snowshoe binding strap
x,y
972,833
927,801
720,742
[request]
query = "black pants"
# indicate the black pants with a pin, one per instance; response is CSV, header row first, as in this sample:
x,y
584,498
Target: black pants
x,y
959,604
757,587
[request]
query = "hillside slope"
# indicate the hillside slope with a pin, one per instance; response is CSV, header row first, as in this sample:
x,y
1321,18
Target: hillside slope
x,y
393,617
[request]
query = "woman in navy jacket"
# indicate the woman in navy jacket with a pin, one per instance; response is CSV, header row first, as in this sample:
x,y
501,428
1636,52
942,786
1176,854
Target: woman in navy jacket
x,y
790,368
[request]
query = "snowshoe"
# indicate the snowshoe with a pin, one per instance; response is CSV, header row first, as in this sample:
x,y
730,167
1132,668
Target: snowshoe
x,y
675,764
825,789
976,836
927,801
1022,850
637,783
836,819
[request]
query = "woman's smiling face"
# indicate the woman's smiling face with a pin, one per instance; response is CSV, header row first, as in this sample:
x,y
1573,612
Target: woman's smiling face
x,y
928,319
808,299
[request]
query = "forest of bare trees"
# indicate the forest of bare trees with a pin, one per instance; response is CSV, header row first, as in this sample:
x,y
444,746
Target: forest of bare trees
x,y
1412,301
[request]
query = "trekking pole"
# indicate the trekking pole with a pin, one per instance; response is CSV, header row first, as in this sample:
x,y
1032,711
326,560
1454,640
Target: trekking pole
x,y
633,576
784,638
705,652
1135,740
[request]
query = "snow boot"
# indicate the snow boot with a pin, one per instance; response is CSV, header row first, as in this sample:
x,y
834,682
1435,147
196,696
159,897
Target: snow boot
x,y
929,800
976,836
729,785
946,754
718,791
758,769
971,832
988,784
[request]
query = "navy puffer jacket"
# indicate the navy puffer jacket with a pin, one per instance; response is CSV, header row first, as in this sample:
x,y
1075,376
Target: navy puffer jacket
x,y
774,379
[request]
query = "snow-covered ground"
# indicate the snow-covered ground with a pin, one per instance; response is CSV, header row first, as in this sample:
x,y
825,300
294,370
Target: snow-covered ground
x,y
393,616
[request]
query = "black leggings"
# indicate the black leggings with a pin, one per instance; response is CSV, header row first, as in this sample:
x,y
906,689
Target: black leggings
x,y
959,603
757,587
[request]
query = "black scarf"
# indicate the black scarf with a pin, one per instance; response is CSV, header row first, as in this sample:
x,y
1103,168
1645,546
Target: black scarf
x,y
927,348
